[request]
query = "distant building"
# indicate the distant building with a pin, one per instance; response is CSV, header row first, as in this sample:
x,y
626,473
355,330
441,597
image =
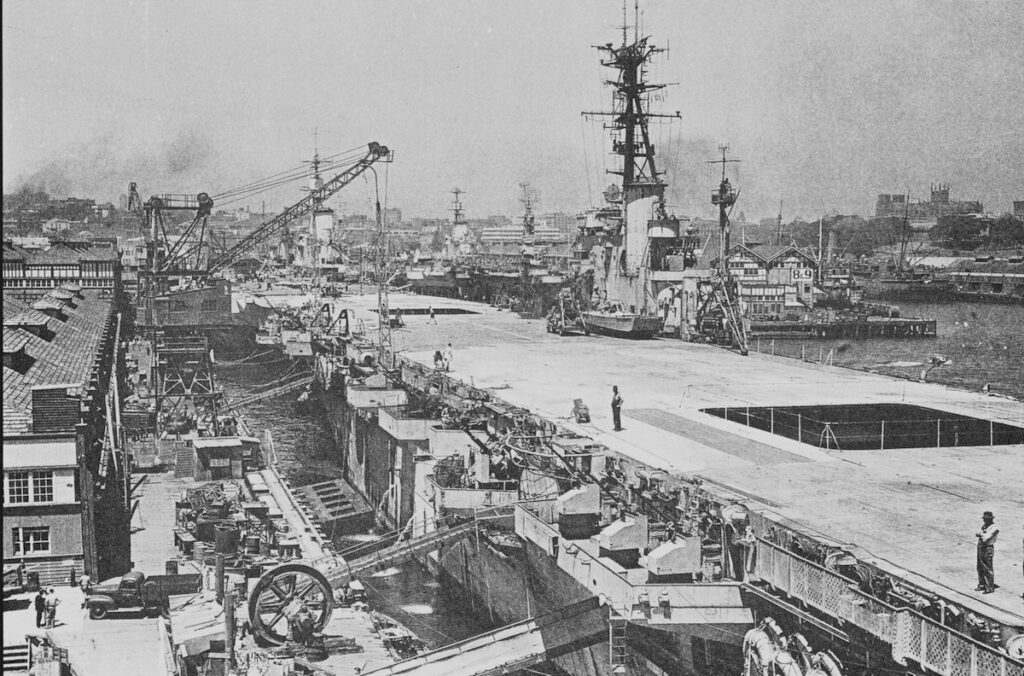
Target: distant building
x,y
561,222
55,225
30,243
938,205
65,490
772,280
1018,209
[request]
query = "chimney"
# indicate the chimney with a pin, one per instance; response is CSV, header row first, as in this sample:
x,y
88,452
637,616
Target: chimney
x,y
55,408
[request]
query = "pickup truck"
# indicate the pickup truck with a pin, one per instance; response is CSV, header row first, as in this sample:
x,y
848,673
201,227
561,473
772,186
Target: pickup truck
x,y
135,591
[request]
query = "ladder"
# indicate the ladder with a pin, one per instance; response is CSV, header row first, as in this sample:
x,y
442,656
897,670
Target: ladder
x,y
617,652
732,317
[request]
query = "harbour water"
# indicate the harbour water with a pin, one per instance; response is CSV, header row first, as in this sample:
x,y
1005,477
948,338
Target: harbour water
x,y
980,344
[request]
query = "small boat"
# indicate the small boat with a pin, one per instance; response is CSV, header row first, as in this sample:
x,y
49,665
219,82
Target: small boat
x,y
399,641
623,324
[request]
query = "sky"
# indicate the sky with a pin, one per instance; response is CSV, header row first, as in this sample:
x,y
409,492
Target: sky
x,y
826,103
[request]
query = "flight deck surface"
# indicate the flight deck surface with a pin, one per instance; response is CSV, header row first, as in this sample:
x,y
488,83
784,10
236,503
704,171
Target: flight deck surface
x,y
916,508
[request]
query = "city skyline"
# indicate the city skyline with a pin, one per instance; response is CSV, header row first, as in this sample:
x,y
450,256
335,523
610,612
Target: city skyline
x,y
827,105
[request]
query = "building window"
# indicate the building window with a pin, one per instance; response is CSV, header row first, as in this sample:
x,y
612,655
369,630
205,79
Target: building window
x,y
25,487
31,540
42,487
17,487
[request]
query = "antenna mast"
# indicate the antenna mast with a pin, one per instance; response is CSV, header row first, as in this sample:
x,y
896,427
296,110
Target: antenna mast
x,y
529,229
723,198
457,206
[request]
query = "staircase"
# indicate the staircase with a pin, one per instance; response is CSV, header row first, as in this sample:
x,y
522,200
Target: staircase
x,y
15,658
185,461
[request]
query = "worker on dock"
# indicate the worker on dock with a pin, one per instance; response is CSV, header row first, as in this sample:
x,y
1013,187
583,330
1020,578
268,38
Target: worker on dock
x,y
616,408
986,553
40,605
449,354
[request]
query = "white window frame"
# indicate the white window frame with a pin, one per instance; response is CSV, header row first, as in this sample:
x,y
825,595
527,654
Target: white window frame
x,y
42,480
45,479
25,539
9,491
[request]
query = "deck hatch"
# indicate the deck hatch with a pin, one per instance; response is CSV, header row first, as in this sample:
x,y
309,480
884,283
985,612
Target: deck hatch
x,y
858,427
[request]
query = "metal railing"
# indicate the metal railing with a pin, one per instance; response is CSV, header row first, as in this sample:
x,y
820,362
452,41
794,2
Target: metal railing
x,y
911,635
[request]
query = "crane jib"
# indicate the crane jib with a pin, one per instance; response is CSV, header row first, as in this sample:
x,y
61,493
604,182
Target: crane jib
x,y
304,206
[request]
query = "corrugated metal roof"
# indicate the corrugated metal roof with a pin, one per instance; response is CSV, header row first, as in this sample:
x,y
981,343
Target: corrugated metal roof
x,y
27,317
66,358
14,340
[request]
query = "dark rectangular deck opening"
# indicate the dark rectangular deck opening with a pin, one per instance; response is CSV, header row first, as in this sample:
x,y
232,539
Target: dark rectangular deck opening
x,y
858,427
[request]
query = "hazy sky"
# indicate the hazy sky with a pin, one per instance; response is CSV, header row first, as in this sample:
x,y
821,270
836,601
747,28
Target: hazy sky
x,y
826,103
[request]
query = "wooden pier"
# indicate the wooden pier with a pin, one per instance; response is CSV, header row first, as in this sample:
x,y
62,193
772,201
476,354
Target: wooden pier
x,y
846,328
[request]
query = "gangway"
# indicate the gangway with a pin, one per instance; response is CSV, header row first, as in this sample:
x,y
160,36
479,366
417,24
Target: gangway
x,y
311,584
275,391
515,646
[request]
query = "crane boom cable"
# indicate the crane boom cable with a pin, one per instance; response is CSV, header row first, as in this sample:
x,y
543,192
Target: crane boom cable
x,y
281,179
344,156
281,182
301,208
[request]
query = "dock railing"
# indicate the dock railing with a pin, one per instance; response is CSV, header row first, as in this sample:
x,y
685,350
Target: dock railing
x,y
911,635
940,430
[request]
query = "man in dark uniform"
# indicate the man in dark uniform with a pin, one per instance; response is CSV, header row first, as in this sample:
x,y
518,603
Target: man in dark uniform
x,y
616,408
986,551
40,605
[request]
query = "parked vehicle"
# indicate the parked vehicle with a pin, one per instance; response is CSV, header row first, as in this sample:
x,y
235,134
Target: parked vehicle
x,y
135,591
17,580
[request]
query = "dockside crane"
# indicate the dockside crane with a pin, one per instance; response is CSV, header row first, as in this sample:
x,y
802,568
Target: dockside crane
x,y
184,306
375,153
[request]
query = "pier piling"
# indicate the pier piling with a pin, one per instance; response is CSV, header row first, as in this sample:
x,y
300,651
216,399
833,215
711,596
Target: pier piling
x,y
219,582
229,625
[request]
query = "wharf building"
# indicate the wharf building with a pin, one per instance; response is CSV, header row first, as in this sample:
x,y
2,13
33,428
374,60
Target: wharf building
x,y
65,471
653,521
94,266
938,205
987,278
773,280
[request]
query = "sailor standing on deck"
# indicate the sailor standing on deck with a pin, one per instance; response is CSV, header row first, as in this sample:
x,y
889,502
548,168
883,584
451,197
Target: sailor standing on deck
x,y
616,408
986,551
